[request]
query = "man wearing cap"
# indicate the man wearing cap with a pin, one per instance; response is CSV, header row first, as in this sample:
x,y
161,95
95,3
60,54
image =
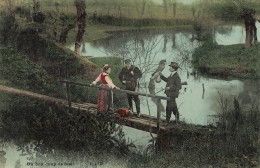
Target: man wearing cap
x,y
129,76
173,85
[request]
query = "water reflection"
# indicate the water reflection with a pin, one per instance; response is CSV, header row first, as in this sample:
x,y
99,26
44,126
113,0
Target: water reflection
x,y
2,158
164,43
83,48
12,157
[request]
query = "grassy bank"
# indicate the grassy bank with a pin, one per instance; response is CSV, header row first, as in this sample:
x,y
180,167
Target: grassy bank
x,y
234,142
224,61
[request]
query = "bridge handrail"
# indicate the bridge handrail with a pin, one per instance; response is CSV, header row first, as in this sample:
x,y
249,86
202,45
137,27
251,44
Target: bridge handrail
x,y
121,90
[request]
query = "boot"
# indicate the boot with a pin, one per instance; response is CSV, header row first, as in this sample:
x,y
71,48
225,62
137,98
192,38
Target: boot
x,y
166,123
177,120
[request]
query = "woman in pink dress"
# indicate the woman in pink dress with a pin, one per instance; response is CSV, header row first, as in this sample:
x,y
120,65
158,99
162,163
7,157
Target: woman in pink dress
x,y
104,101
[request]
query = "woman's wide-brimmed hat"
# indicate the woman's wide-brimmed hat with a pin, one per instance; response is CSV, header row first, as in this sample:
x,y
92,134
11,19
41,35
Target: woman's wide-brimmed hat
x,y
174,64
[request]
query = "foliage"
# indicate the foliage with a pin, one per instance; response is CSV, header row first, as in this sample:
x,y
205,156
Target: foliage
x,y
22,73
232,60
233,10
53,127
38,17
232,143
61,19
24,12
115,64
202,52
124,21
57,61
7,28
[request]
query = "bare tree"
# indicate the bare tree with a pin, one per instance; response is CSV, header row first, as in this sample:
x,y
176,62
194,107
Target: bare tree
x,y
165,7
68,23
141,9
81,22
141,51
174,8
109,6
11,7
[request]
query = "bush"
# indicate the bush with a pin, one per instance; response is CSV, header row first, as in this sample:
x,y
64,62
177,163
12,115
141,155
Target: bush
x,y
123,21
28,120
7,30
22,73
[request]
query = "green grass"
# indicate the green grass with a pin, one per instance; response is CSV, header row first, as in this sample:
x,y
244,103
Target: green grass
x,y
234,60
115,64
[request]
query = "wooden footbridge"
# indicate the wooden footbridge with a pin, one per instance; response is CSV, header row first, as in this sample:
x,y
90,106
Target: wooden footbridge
x,y
145,122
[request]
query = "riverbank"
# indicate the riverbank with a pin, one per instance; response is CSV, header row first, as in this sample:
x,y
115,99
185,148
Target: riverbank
x,y
98,31
228,61
233,142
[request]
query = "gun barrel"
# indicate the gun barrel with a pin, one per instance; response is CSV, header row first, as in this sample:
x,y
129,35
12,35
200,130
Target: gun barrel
x,y
184,83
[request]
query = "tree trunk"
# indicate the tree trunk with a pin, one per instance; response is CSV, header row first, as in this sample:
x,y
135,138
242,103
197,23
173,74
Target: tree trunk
x,y
249,30
174,6
143,7
64,34
81,22
165,8
254,31
54,33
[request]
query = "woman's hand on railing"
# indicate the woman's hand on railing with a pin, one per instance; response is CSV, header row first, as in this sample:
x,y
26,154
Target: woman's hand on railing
x,y
116,88
91,84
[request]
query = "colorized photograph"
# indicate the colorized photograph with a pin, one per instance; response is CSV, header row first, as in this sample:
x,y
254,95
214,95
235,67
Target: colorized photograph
x,y
129,84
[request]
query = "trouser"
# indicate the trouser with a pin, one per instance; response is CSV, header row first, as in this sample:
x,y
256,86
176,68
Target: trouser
x,y
171,107
130,97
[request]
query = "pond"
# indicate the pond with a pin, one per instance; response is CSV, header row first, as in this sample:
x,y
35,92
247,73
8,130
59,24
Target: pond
x,y
200,100
147,48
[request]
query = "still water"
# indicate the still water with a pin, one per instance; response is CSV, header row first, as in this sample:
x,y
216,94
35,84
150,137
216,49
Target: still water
x,y
11,157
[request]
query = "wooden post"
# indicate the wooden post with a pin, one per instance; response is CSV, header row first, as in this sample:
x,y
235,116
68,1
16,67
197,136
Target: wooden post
x,y
158,115
112,99
68,96
158,122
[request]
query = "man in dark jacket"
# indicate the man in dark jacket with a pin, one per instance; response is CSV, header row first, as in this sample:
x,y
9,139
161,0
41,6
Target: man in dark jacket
x,y
129,76
172,90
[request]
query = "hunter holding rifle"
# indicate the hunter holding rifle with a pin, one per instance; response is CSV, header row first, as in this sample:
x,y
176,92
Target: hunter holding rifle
x,y
172,90
129,77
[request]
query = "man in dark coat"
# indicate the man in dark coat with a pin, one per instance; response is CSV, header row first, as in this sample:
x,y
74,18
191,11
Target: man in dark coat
x,y
172,90
129,76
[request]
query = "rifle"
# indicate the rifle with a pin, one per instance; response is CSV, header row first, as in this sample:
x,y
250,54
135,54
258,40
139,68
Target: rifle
x,y
182,83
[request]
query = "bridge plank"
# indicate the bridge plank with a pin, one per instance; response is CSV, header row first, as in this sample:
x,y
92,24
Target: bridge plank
x,y
141,123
